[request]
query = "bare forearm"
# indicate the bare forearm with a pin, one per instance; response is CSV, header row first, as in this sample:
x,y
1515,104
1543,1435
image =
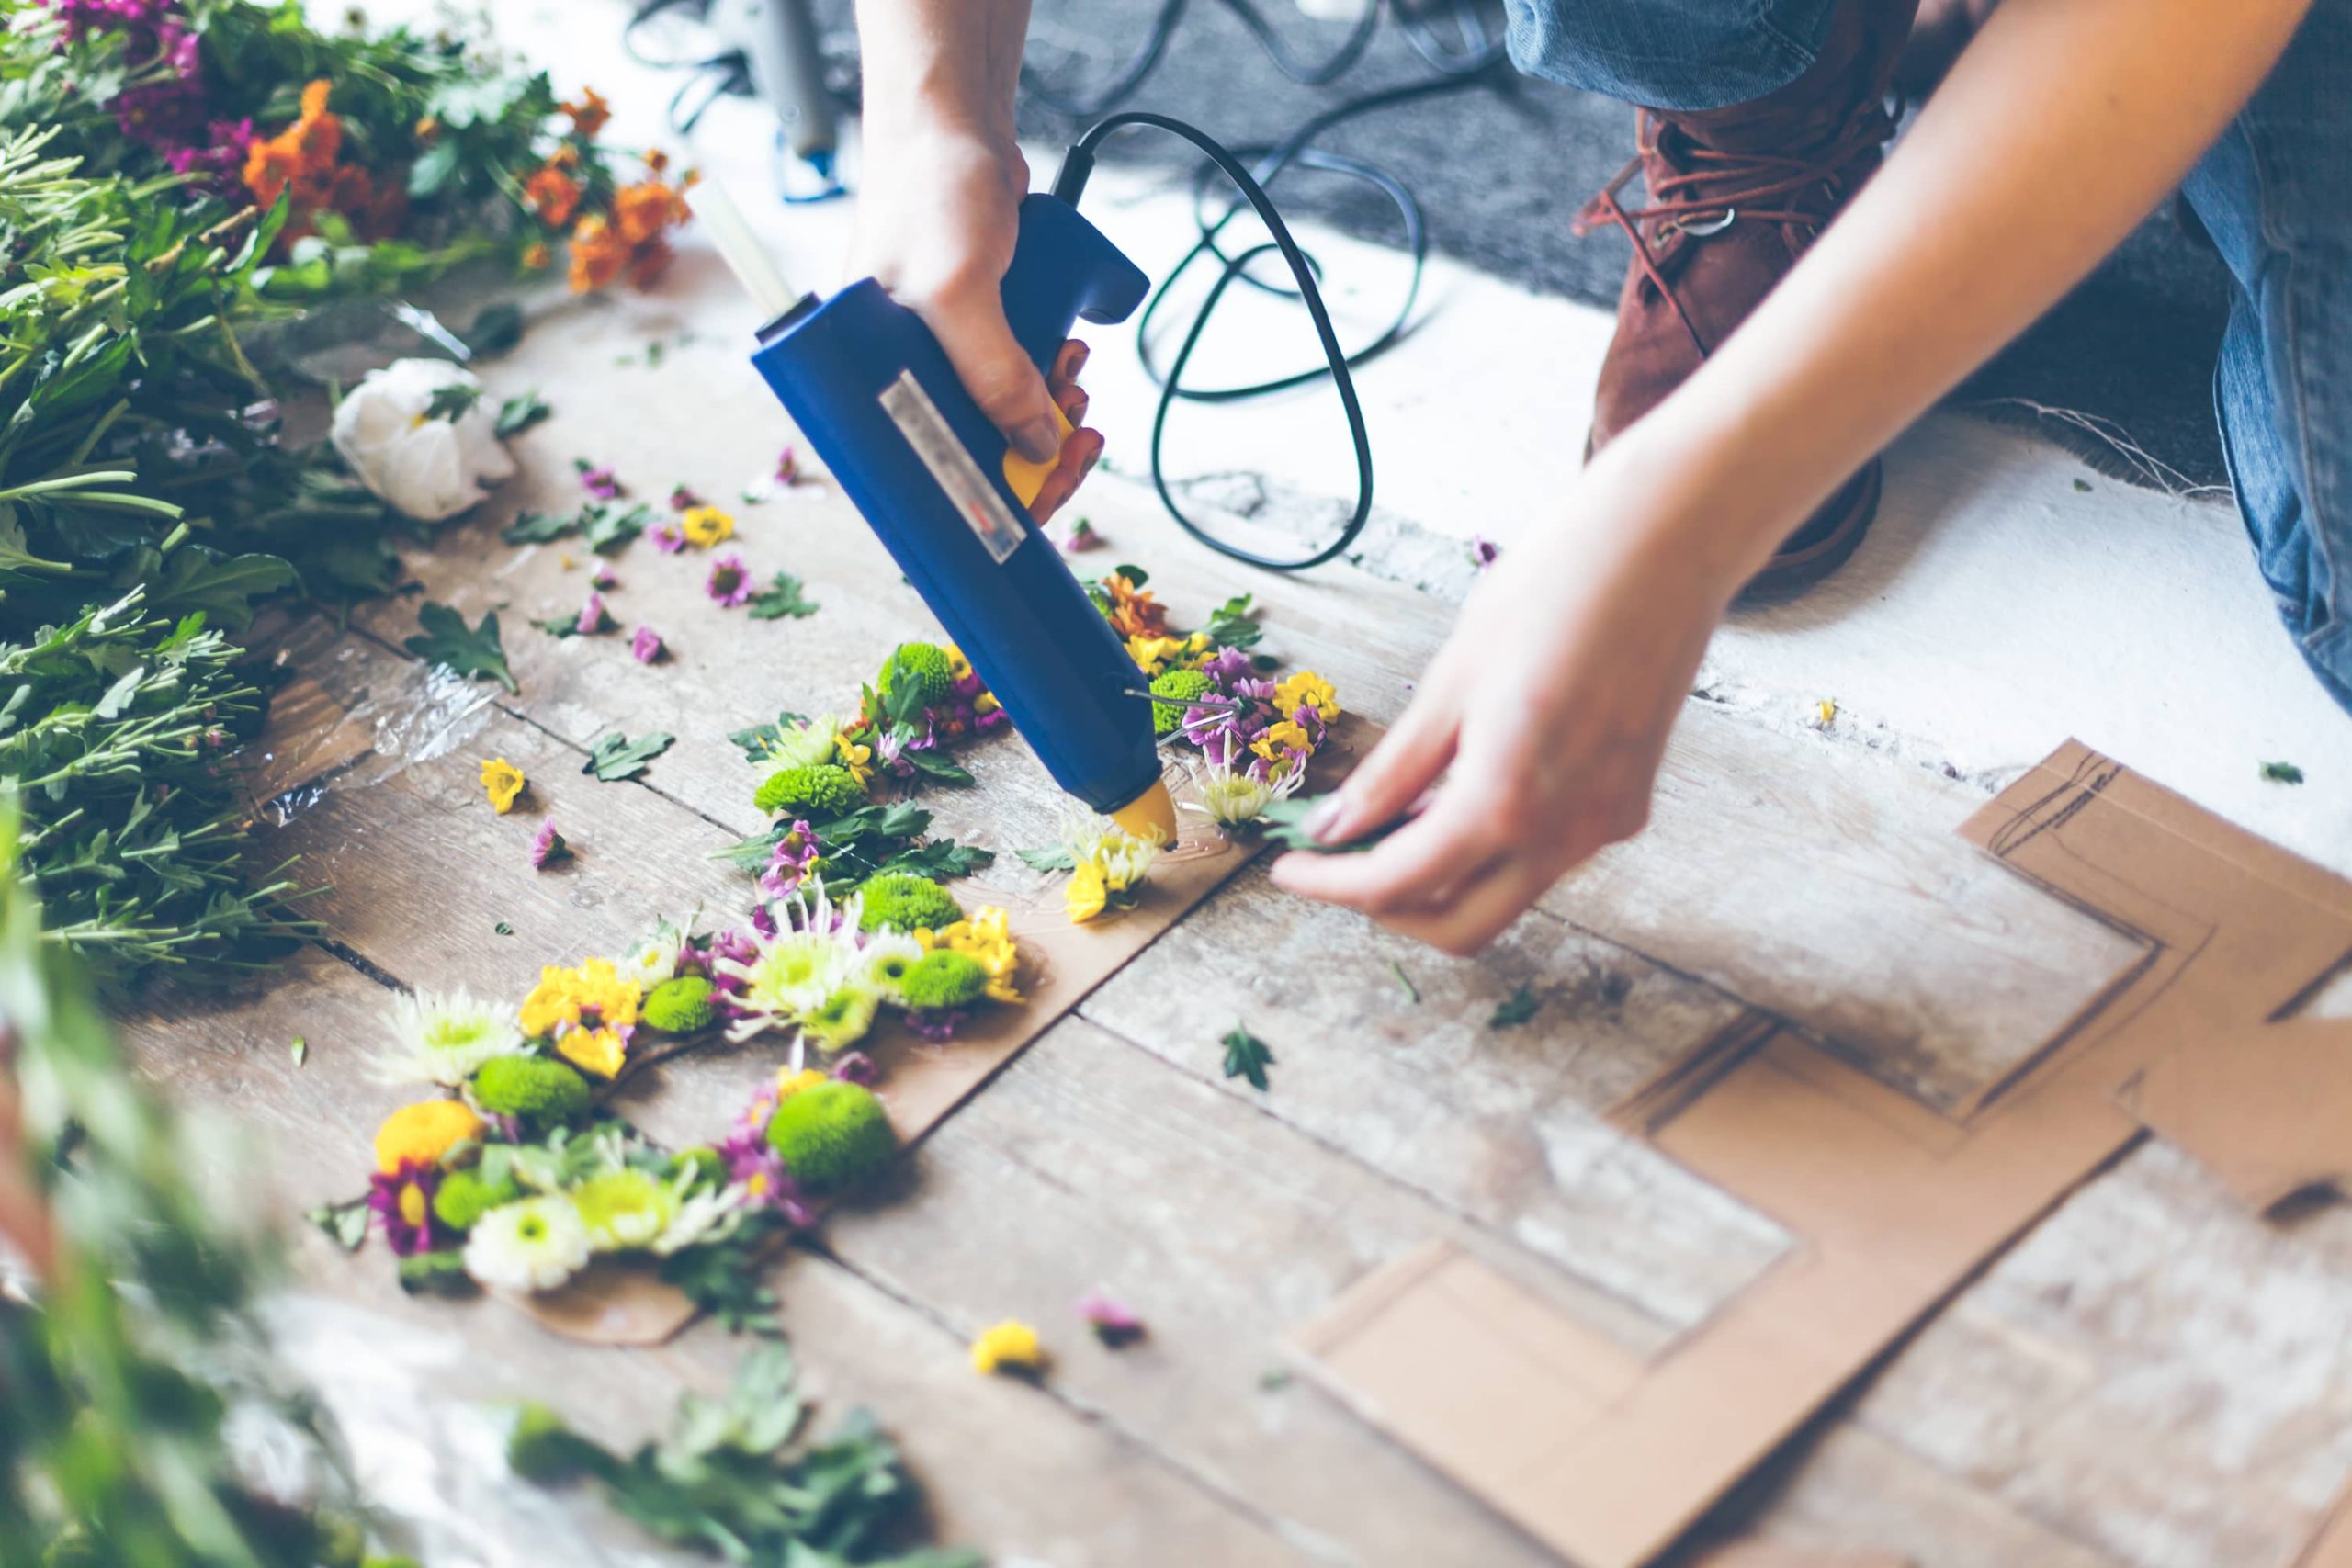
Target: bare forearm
x,y
953,60
2061,127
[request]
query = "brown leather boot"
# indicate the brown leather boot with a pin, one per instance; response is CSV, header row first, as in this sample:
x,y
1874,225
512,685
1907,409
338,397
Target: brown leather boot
x,y
1735,195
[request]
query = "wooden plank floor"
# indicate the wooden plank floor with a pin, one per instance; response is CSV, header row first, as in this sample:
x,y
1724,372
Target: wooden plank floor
x,y
2150,1379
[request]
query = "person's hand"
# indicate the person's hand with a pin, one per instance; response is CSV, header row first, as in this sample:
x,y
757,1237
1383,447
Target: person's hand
x,y
936,224
1546,712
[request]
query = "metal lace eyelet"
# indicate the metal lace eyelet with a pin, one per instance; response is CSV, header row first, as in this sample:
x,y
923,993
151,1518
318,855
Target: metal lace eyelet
x,y
1713,226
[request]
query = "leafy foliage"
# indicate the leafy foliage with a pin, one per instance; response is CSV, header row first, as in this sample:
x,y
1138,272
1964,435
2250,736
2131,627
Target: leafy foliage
x,y
1284,823
1247,1057
2282,773
614,758
760,741
734,1478
121,1370
476,652
1516,1009
780,598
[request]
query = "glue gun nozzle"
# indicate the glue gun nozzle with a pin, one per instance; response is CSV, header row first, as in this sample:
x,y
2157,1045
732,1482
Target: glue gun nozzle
x,y
1151,813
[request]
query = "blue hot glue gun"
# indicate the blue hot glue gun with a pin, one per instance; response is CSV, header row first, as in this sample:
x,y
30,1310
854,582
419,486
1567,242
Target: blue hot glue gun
x,y
874,394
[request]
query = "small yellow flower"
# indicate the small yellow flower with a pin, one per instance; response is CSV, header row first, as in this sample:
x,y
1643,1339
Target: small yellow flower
x,y
503,782
1011,1346
706,525
984,936
985,703
1288,737
1086,894
1826,708
590,996
858,759
599,1052
1307,689
423,1132
959,666
1151,654
789,1083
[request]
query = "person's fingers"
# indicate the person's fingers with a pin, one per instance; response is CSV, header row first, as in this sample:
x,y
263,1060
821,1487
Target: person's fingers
x,y
969,322
1401,767
1069,363
1074,403
1397,874
1480,911
1080,454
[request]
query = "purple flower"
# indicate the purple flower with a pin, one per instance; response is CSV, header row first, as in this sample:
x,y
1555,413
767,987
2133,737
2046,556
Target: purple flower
x,y
684,496
787,467
734,947
592,614
763,920
1112,1323
1226,666
858,1068
603,576
547,847
1483,551
788,864
599,483
1082,538
729,583
402,1202
937,1025
667,537
645,644
753,1161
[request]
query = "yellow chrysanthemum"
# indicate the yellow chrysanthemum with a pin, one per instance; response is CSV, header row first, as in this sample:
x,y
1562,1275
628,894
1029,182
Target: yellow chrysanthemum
x,y
590,996
789,1083
985,703
958,665
1086,896
986,937
1307,689
600,1052
1288,737
1011,1346
706,525
503,782
423,1132
858,759
1151,654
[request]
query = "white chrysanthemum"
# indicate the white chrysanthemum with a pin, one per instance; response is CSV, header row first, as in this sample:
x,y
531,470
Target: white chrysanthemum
x,y
623,1208
429,466
882,964
535,1245
707,1216
1231,798
808,744
655,958
1123,858
446,1039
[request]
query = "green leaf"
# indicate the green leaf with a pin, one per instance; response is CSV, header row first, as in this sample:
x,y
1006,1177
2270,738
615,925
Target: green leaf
x,y
1047,860
936,764
1285,822
436,1274
1234,624
519,413
478,654
538,528
759,742
782,597
496,328
606,526
1515,1010
346,1221
2282,773
616,757
300,1051
1407,981
1247,1057
195,578
452,401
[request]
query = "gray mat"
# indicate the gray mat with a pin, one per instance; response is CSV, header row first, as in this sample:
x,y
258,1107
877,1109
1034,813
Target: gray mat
x,y
1499,173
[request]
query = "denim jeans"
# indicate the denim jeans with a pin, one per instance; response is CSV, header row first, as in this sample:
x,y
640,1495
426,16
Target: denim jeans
x,y
2274,192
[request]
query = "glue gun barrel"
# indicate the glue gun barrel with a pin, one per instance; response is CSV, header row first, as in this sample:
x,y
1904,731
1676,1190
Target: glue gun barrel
x,y
739,248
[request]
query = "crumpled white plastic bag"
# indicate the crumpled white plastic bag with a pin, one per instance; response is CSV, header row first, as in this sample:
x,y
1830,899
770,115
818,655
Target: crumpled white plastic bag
x,y
429,468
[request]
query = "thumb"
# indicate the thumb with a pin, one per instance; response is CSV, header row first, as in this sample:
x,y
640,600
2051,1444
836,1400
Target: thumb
x,y
1398,773
987,359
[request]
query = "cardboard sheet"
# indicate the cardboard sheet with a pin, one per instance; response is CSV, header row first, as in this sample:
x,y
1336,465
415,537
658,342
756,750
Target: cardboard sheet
x,y
1771,1554
1608,1457
921,1083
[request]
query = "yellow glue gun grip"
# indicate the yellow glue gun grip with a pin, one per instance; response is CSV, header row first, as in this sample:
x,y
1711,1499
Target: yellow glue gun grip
x,y
1026,477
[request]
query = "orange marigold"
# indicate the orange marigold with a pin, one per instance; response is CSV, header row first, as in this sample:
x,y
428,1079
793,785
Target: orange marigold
x,y
589,114
598,253
642,211
551,194
1134,612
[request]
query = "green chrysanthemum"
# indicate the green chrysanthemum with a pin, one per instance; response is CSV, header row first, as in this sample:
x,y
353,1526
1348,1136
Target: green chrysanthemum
x,y
919,669
678,1006
704,1166
831,1135
840,1020
534,1087
899,900
943,979
623,1208
1184,685
816,792
464,1198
